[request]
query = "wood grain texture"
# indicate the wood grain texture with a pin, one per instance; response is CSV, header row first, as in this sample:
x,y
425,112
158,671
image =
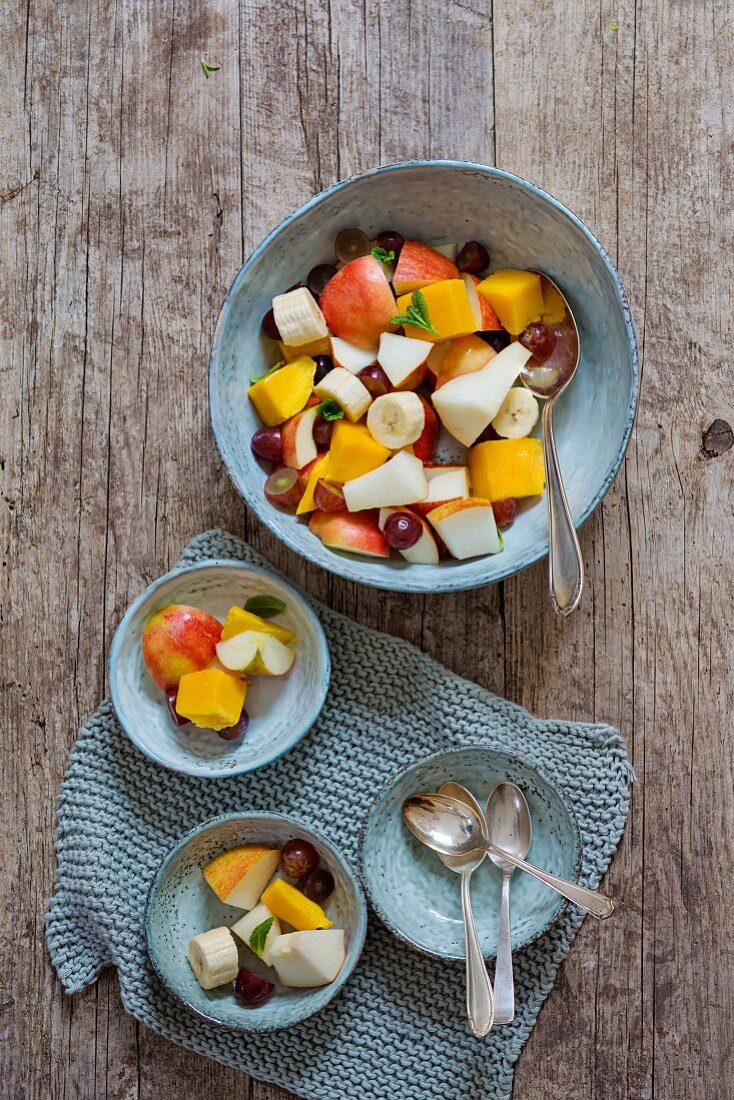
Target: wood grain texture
x,y
131,188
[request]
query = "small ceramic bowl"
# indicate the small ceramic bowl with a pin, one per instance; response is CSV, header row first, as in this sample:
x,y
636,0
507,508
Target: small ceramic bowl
x,y
418,898
181,905
440,201
282,709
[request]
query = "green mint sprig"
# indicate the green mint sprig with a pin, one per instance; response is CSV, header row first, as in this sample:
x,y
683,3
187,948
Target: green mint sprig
x,y
259,377
330,410
417,314
258,936
207,67
267,607
384,255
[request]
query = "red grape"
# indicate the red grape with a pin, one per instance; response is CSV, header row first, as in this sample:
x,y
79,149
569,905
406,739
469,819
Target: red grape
x,y
298,858
283,488
390,241
250,988
322,430
239,729
318,277
268,443
319,885
350,244
498,339
171,696
473,258
324,364
375,380
505,511
295,286
269,326
329,497
539,339
402,530
487,434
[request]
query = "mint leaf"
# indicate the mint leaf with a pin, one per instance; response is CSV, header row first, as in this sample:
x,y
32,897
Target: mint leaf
x,y
416,314
330,410
259,377
267,607
258,936
207,67
383,255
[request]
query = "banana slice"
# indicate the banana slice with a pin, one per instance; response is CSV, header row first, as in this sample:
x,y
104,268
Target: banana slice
x,y
298,317
518,414
346,389
213,958
396,419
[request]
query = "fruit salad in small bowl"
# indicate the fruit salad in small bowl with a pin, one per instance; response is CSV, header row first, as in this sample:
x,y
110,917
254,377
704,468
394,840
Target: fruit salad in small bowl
x,y
366,380
255,921
218,668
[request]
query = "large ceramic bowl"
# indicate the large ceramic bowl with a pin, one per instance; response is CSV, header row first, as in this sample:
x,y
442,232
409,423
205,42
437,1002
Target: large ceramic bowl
x,y
181,905
418,898
440,201
282,709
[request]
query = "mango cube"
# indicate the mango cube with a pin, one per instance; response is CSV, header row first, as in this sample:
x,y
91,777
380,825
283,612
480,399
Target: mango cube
x,y
238,621
502,468
290,353
287,903
449,311
211,699
318,470
515,296
353,452
279,396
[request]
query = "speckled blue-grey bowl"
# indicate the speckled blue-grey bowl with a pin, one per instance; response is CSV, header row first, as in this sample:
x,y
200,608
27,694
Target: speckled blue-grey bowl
x,y
418,898
282,709
181,904
440,201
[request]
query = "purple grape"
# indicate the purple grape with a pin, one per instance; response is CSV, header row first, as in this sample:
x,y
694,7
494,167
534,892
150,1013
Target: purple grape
x,y
267,443
539,339
322,430
498,339
269,326
298,858
390,241
171,696
473,258
324,364
250,988
233,733
402,530
318,277
318,885
350,244
375,381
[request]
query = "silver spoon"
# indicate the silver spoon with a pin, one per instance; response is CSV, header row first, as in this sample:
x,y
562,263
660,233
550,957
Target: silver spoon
x,y
479,994
547,379
508,827
452,828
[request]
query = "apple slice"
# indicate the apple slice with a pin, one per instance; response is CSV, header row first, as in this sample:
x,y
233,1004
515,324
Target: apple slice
x,y
418,265
437,355
351,357
256,653
358,534
239,875
489,321
403,360
299,446
358,303
245,926
425,550
425,445
465,355
467,527
399,481
467,404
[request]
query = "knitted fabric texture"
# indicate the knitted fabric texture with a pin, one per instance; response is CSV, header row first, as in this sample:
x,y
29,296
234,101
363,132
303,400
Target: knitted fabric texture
x,y
397,1028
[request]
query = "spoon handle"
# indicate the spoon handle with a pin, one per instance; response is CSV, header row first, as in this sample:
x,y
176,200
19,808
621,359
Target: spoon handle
x,y
504,986
479,995
565,564
591,901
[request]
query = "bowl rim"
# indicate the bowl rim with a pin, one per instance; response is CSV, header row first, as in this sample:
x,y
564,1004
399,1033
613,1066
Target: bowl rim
x,y
501,750
398,580
353,954
301,727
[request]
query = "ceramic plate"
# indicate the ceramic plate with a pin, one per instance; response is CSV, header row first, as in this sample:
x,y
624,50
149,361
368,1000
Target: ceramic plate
x,y
418,898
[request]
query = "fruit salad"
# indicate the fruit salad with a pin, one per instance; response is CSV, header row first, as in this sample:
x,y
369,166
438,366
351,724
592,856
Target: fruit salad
x,y
398,349
284,925
204,666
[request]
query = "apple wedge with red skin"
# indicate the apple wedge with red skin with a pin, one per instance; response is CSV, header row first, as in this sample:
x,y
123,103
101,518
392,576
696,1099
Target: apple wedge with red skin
x,y
297,441
359,533
358,303
489,321
445,484
465,355
425,550
418,266
467,527
424,447
403,360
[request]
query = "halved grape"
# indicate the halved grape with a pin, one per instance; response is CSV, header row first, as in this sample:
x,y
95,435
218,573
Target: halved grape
x,y
328,497
267,443
473,258
539,339
505,511
171,696
269,326
390,241
318,277
402,530
350,244
319,885
298,858
239,729
250,988
375,380
283,488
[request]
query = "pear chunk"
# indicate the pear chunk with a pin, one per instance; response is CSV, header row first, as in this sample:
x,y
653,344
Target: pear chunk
x,y
303,960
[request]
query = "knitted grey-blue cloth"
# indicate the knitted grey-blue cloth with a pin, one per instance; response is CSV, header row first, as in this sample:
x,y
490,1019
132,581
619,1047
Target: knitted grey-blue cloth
x,y
397,1029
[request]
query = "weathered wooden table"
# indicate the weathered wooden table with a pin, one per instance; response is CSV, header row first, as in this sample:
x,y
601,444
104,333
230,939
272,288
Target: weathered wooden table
x,y
131,188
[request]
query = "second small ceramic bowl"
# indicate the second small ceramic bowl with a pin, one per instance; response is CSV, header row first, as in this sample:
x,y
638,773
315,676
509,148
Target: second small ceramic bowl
x,y
418,898
282,709
181,905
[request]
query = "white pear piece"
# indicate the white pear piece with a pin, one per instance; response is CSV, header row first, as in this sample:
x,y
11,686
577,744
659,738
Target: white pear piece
x,y
304,960
467,404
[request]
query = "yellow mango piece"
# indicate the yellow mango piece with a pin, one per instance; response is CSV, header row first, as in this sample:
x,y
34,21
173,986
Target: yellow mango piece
x,y
211,698
281,395
318,470
502,468
316,347
288,904
449,311
554,306
353,452
515,296
238,621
